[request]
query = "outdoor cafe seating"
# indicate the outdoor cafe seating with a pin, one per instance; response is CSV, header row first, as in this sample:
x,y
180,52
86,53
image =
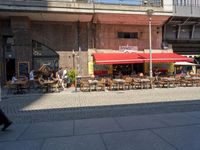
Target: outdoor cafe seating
x,y
18,87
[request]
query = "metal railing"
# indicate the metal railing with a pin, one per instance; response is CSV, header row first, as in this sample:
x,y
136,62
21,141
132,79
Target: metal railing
x,y
186,3
157,3
152,3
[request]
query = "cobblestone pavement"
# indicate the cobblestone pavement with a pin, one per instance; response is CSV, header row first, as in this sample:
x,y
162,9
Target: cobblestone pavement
x,y
76,105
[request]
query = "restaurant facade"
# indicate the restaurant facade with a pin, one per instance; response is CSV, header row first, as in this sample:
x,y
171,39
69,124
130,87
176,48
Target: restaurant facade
x,y
71,33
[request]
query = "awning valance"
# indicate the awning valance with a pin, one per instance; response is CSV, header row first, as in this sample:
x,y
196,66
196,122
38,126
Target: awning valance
x,y
117,58
165,57
131,58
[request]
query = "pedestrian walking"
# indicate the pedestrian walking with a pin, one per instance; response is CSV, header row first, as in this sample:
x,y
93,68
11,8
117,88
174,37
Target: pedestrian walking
x,y
4,121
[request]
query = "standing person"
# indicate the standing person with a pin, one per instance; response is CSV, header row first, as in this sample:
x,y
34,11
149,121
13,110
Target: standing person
x,y
31,79
60,75
4,121
65,78
156,73
51,76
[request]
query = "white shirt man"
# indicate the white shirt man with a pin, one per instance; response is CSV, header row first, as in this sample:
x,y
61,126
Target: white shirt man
x,y
14,79
31,75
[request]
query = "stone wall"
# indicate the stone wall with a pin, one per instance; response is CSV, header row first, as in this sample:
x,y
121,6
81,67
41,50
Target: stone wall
x,y
63,38
21,30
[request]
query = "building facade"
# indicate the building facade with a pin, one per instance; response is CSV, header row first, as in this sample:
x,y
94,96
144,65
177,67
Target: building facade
x,y
65,33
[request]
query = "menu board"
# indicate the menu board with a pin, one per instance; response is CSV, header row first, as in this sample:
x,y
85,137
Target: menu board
x,y
23,69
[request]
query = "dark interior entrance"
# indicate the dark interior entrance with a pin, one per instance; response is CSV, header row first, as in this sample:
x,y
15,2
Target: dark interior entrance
x,y
127,69
10,68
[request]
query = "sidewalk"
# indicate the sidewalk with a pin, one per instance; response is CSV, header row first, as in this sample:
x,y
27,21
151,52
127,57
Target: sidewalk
x,y
67,105
172,131
153,119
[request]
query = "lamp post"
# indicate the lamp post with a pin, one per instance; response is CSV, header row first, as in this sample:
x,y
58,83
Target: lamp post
x,y
149,13
73,55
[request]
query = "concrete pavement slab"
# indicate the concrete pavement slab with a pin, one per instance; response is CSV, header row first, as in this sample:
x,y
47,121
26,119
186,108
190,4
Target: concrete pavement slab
x,y
139,122
176,119
135,140
100,125
195,114
87,142
183,138
48,129
21,145
13,132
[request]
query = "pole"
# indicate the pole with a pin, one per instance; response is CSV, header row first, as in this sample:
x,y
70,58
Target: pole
x,y
150,50
149,13
73,55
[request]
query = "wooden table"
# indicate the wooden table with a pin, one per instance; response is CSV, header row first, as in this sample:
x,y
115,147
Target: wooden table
x,y
120,83
92,84
19,84
144,83
169,81
48,84
194,80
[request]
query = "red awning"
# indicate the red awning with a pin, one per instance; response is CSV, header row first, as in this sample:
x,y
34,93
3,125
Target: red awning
x,y
165,57
131,58
117,58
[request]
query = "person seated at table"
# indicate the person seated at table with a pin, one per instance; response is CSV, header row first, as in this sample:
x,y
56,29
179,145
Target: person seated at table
x,y
52,76
192,73
183,72
156,73
14,79
141,74
133,73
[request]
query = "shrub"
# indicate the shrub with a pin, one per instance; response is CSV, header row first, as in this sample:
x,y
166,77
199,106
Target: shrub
x,y
72,75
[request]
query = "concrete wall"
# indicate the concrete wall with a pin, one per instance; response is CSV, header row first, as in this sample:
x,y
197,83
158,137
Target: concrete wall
x,y
186,11
168,5
106,36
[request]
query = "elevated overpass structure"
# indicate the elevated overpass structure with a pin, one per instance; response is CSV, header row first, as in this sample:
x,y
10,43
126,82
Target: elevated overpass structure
x,y
182,30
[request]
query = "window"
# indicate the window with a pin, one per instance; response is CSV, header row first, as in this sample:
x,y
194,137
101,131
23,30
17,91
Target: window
x,y
43,55
128,35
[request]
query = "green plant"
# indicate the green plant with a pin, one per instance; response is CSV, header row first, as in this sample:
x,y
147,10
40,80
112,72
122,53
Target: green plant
x,y
72,75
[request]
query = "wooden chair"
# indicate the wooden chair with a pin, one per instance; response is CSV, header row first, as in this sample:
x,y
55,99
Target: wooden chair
x,y
55,86
185,82
42,86
136,84
101,84
111,85
11,88
84,85
26,86
159,83
128,83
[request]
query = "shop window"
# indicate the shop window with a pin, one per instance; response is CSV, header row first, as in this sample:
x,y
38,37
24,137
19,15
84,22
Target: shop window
x,y
128,35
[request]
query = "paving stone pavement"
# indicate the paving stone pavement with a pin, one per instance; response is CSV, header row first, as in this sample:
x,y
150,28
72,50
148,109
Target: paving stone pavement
x,y
155,119
38,107
171,131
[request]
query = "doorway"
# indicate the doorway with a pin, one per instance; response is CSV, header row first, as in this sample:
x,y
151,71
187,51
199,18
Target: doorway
x,y
10,68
